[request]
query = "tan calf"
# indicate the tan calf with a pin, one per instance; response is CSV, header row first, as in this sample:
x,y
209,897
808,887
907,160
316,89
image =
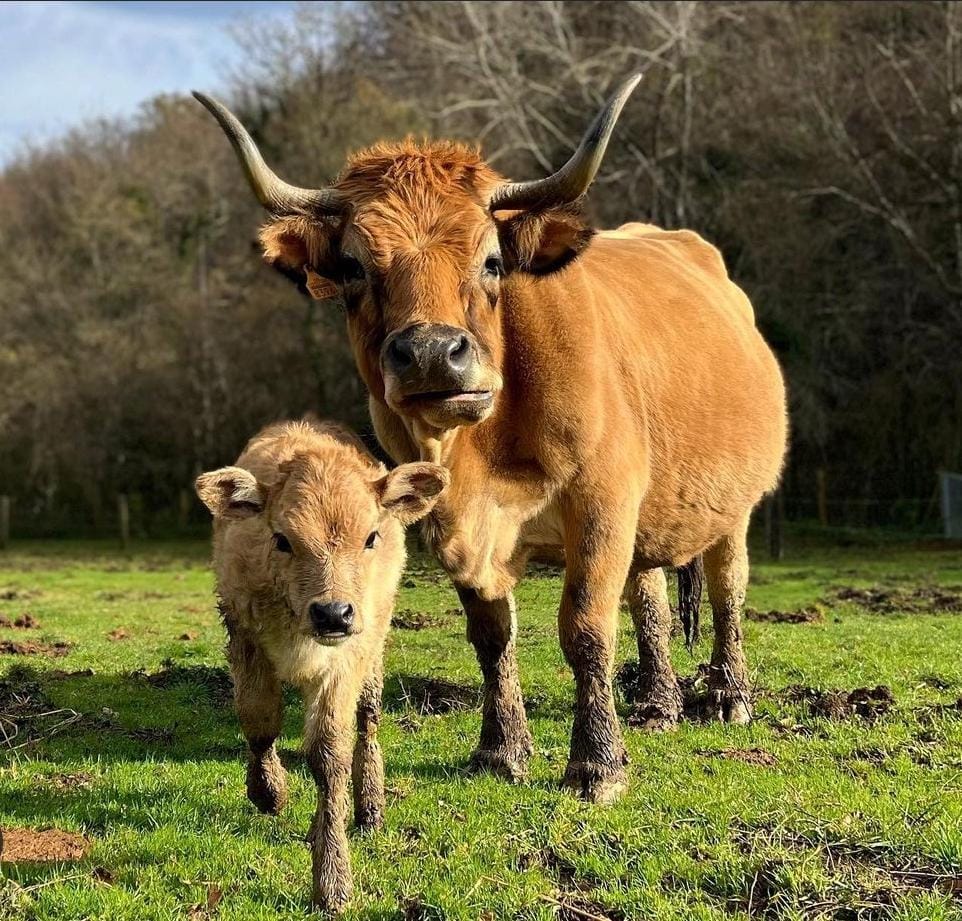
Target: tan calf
x,y
308,552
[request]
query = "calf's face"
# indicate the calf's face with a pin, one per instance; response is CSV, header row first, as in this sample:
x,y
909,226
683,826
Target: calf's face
x,y
326,535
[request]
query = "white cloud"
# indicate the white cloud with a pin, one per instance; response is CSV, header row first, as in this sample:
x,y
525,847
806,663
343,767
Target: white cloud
x,y
65,62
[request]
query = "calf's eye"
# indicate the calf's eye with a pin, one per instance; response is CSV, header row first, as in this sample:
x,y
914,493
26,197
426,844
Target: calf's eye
x,y
372,540
282,544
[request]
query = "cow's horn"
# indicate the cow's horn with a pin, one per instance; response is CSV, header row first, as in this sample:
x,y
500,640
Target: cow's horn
x,y
573,179
277,196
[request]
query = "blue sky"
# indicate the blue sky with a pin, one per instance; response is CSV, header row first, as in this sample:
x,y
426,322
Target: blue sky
x,y
64,62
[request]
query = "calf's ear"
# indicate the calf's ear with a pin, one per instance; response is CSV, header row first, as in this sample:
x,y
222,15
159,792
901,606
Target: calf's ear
x,y
542,242
410,491
230,493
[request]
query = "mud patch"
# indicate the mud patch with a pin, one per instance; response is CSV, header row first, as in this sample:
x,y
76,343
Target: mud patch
x,y
118,633
17,594
407,619
812,614
189,636
429,696
34,648
68,782
757,757
865,703
25,621
925,599
215,682
26,845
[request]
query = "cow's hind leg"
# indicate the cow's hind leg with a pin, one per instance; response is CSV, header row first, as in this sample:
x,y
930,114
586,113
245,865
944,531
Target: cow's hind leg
x,y
505,745
659,701
259,705
726,574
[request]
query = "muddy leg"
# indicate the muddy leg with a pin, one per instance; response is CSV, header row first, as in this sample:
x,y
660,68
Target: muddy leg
x,y
659,701
328,749
726,574
257,699
598,553
368,767
505,745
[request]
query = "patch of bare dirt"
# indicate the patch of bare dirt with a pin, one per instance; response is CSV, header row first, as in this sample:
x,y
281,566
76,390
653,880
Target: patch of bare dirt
x,y
17,594
26,714
68,782
757,757
812,614
924,599
429,696
408,619
25,621
27,845
118,633
34,648
188,635
834,704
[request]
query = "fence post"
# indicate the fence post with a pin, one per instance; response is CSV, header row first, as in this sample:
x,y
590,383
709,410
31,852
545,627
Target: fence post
x,y
774,515
821,496
123,519
4,522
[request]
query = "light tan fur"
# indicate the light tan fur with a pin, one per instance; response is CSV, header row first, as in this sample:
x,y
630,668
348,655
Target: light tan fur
x,y
315,487
637,417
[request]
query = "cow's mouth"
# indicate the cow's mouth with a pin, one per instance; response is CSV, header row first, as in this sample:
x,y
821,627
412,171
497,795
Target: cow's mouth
x,y
450,397
332,638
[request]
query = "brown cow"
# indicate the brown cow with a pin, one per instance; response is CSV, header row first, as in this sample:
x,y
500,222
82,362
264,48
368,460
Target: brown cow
x,y
308,553
606,393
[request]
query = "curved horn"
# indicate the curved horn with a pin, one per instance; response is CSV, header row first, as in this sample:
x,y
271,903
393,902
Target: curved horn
x,y
573,179
277,196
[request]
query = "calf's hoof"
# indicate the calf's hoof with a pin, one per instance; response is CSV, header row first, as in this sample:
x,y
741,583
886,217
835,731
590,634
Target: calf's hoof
x,y
331,896
267,784
730,706
369,816
595,782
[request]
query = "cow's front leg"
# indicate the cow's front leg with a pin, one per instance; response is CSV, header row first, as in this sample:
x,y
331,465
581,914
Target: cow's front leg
x,y
368,768
505,745
598,550
259,705
328,749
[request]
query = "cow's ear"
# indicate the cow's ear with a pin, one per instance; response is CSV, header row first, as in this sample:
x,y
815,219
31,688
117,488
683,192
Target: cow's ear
x,y
410,491
300,249
231,493
541,242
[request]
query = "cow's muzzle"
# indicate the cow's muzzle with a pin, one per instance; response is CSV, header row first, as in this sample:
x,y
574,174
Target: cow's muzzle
x,y
436,368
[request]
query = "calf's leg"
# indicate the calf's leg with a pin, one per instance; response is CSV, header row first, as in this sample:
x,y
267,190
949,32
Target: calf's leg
x,y
368,768
659,697
505,745
259,705
726,574
599,544
328,750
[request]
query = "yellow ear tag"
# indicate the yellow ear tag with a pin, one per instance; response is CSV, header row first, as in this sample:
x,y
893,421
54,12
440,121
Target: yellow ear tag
x,y
320,288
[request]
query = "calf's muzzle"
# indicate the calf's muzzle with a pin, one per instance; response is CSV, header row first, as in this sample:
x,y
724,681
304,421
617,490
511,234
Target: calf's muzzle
x,y
331,618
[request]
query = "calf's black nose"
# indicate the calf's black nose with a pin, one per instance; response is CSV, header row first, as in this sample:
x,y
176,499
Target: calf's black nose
x,y
332,617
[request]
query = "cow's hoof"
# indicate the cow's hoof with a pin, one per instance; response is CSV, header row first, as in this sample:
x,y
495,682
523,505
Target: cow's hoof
x,y
267,784
595,782
369,816
728,706
508,764
331,897
657,713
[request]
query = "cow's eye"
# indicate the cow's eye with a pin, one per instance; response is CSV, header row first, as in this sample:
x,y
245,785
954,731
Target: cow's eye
x,y
351,268
494,266
282,544
372,540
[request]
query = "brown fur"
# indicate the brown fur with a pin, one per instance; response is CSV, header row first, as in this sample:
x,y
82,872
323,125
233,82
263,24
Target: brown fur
x,y
314,484
638,418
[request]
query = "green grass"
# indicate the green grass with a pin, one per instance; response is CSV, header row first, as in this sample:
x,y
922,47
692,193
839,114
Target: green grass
x,y
153,772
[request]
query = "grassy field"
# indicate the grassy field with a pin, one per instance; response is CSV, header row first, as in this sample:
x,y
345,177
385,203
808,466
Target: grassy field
x,y
826,807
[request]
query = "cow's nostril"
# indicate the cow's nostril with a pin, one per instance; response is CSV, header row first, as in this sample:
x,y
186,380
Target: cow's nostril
x,y
332,617
400,354
459,352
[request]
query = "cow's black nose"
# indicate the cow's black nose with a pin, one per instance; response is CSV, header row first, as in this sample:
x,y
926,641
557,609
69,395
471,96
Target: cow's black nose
x,y
332,617
457,351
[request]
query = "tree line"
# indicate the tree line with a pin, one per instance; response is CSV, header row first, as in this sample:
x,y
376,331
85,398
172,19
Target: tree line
x,y
819,145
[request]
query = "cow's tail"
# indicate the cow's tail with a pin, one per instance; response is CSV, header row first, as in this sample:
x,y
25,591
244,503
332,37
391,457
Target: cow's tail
x,y
690,578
